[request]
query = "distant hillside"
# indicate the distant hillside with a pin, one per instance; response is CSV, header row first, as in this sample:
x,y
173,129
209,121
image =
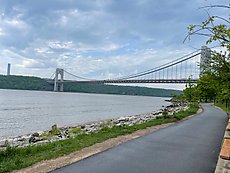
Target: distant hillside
x,y
35,83
24,83
123,90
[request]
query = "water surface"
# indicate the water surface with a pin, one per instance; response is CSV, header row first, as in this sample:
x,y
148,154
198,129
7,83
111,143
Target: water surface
x,y
23,112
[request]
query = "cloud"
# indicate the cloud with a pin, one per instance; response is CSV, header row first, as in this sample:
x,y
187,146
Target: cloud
x,y
30,63
60,45
98,39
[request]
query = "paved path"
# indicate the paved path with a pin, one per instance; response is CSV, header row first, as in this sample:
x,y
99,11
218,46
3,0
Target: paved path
x,y
191,146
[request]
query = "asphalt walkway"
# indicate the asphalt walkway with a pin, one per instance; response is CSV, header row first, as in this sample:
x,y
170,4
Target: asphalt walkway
x,y
191,146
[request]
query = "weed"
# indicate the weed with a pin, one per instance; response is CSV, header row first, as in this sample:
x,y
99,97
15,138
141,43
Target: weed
x,y
76,130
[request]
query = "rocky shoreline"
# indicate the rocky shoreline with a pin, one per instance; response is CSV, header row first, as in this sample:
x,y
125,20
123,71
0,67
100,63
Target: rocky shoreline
x,y
62,133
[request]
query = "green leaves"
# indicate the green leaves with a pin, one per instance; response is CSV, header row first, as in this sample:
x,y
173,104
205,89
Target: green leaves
x,y
215,28
191,28
215,82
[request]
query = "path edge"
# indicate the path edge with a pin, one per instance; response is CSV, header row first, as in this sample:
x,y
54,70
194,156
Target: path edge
x,y
53,164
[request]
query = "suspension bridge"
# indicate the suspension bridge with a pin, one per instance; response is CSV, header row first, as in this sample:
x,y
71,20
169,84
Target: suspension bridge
x,y
181,70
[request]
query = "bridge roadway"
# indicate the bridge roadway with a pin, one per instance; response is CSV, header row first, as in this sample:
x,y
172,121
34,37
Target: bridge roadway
x,y
130,81
191,146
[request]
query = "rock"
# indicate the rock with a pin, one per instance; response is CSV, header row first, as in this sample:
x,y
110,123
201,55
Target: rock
x,y
170,113
31,139
41,142
119,124
8,142
122,119
3,143
21,139
66,132
53,139
61,136
132,118
34,139
73,135
36,134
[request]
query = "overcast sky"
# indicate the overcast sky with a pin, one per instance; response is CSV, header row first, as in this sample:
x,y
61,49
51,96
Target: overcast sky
x,y
96,38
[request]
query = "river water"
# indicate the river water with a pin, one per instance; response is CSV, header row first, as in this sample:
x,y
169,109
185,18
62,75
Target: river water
x,y
23,112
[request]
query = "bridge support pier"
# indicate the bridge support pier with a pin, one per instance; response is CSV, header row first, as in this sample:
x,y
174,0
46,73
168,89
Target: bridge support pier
x,y
58,84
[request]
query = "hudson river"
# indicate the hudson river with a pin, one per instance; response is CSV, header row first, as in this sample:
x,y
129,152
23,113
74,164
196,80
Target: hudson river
x,y
23,112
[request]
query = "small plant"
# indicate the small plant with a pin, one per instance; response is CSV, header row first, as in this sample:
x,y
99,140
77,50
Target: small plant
x,y
10,151
75,130
55,130
106,124
165,113
45,135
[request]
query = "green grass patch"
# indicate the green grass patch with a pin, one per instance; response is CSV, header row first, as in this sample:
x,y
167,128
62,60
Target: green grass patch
x,y
223,106
52,132
17,158
75,130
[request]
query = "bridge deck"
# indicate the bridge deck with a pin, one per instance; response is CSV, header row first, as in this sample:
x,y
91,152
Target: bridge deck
x,y
130,81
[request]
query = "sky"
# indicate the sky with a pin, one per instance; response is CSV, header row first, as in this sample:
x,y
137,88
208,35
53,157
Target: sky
x,y
98,39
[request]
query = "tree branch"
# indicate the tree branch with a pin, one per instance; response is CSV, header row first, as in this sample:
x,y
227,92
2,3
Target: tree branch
x,y
215,6
222,19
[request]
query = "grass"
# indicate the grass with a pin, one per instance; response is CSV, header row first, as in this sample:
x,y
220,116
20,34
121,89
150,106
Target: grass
x,y
223,106
75,130
17,158
54,131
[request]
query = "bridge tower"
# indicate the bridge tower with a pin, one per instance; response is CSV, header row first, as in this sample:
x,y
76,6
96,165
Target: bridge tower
x,y
204,59
58,84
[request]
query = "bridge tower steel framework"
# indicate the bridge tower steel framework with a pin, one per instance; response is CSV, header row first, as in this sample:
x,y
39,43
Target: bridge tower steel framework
x,y
58,84
204,59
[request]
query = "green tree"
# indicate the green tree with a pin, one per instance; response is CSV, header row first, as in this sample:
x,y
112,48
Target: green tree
x,y
214,84
191,93
206,87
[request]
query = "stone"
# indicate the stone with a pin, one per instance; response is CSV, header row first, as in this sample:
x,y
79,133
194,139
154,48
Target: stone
x,y
73,135
53,139
122,119
119,124
2,143
21,139
59,135
34,139
41,142
66,132
36,134
8,142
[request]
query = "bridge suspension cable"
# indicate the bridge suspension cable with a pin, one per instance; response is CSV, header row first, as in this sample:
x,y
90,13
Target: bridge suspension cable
x,y
177,70
162,67
79,77
51,77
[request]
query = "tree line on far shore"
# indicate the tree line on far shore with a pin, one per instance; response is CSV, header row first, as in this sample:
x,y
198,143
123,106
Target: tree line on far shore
x,y
35,83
